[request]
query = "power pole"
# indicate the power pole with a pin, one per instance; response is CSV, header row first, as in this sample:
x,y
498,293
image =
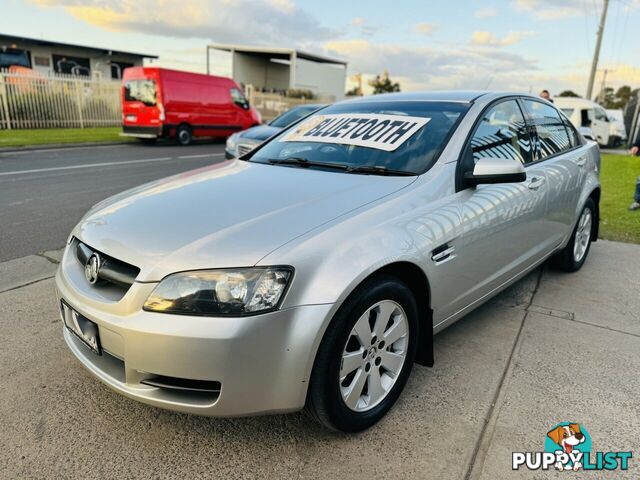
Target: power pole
x,y
601,95
596,53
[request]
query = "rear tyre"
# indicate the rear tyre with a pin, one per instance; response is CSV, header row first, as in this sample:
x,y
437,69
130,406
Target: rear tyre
x,y
572,257
184,135
365,357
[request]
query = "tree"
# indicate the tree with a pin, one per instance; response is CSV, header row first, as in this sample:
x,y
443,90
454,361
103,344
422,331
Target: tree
x,y
383,84
354,92
569,93
607,98
615,100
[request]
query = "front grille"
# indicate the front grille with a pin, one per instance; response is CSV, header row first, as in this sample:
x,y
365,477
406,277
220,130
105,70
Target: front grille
x,y
111,270
243,149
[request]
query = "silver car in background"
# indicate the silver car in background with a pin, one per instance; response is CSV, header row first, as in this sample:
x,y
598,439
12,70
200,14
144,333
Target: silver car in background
x,y
314,271
241,143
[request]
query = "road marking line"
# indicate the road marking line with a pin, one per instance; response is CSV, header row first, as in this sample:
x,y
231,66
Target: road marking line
x,y
202,155
92,165
61,149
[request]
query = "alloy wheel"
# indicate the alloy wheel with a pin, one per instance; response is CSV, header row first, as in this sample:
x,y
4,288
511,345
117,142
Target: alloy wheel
x,y
583,235
374,355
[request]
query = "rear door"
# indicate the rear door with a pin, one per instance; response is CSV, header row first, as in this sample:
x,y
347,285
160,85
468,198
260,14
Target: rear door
x,y
501,232
557,151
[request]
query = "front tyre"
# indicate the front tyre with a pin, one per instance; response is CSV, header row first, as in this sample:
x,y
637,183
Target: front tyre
x,y
365,357
573,256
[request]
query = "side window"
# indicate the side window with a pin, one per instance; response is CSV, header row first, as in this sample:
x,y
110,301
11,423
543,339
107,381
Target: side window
x,y
601,115
502,133
574,138
238,98
551,134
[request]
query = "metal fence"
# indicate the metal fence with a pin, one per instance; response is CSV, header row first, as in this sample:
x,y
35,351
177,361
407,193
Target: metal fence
x,y
31,100
270,105
61,101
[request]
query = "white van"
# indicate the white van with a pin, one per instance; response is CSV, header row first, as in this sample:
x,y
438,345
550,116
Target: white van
x,y
618,129
585,113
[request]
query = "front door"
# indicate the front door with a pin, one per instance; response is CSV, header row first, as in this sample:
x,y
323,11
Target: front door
x,y
500,232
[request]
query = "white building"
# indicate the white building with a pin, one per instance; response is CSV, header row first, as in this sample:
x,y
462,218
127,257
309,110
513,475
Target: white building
x,y
50,58
281,69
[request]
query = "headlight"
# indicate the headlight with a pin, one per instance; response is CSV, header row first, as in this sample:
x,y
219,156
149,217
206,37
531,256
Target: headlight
x,y
220,292
232,143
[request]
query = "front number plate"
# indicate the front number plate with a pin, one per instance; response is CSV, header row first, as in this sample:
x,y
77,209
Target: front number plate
x,y
81,327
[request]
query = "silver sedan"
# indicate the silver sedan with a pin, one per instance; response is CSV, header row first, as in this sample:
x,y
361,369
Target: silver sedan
x,y
314,271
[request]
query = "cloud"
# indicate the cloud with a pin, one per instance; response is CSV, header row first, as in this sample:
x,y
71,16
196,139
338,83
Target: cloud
x,y
421,68
272,22
364,27
552,9
483,38
425,28
486,13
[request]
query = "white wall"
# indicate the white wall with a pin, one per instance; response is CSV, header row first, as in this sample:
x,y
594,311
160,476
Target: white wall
x,y
321,78
260,72
97,61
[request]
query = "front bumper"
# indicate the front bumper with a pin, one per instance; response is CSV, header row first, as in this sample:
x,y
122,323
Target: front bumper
x,y
262,362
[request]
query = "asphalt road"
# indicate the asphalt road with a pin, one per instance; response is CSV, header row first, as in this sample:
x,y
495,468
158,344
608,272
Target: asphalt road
x,y
43,193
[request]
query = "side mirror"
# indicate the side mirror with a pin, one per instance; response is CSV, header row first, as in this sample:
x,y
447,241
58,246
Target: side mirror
x,y
496,170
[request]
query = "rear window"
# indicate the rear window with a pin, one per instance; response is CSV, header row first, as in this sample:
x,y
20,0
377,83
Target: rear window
x,y
293,115
140,91
404,136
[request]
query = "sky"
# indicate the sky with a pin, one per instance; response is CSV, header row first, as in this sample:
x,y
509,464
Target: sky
x,y
518,45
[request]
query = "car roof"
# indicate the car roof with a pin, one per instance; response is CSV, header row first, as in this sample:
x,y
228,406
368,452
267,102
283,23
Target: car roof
x,y
309,105
466,96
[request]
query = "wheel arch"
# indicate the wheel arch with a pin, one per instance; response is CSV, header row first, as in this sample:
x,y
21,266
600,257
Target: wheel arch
x,y
415,278
595,227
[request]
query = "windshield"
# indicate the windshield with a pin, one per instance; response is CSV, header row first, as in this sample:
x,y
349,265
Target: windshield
x,y
568,111
402,136
140,91
293,115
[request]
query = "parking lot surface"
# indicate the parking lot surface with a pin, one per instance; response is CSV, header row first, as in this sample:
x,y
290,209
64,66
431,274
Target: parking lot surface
x,y
554,347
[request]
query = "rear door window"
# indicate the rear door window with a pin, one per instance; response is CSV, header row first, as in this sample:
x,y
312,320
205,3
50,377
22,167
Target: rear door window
x,y
551,135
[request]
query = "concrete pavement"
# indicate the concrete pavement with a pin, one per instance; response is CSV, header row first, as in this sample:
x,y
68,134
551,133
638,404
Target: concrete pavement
x,y
554,347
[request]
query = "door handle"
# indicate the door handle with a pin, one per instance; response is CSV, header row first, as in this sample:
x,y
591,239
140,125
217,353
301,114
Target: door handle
x,y
442,253
535,183
581,161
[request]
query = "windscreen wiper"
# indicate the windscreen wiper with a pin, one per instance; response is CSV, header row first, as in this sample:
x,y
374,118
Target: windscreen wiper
x,y
303,162
379,170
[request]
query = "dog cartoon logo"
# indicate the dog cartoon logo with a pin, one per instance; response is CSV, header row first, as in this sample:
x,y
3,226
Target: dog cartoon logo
x,y
568,447
572,439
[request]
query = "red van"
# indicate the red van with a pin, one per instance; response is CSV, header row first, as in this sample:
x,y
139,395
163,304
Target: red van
x,y
157,102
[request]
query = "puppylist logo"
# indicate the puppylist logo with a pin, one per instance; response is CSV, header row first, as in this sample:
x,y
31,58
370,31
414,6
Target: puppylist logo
x,y
568,447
